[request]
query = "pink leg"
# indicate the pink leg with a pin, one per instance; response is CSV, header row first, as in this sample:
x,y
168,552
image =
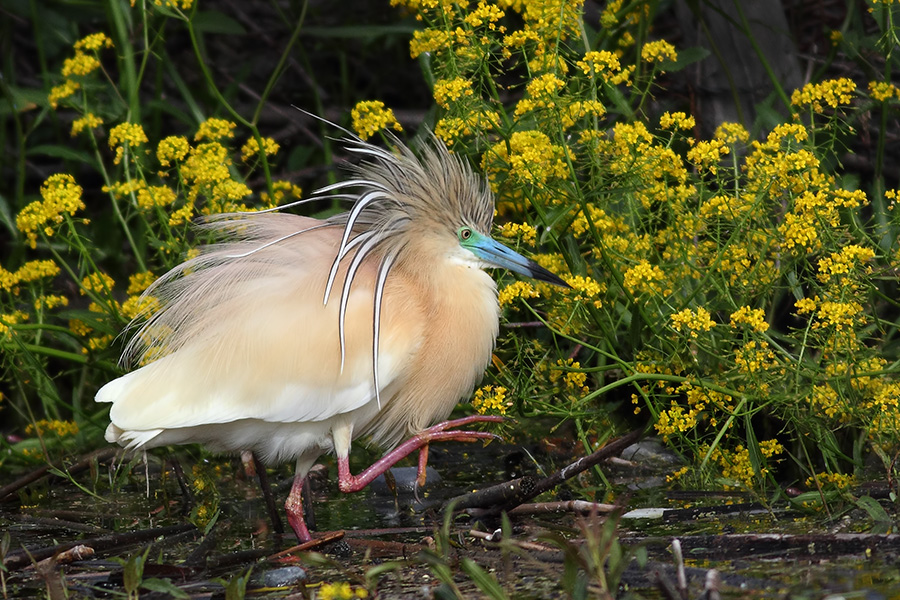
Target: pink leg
x,y
353,483
294,509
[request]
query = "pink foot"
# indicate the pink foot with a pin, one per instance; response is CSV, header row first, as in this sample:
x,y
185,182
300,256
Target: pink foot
x,y
348,482
294,509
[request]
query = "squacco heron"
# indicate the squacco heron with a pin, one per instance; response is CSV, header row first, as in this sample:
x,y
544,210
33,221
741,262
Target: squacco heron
x,y
292,336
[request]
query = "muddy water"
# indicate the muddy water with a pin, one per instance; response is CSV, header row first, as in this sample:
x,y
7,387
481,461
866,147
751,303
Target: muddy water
x,y
758,552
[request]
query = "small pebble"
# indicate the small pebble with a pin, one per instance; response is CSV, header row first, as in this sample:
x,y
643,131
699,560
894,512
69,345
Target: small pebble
x,y
284,577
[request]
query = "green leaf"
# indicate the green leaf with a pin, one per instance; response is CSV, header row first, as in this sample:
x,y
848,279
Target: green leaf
x,y
486,582
875,511
61,152
164,586
686,57
213,21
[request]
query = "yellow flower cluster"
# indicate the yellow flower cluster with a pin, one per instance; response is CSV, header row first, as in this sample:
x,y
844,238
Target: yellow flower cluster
x,y
60,428
61,199
80,65
370,116
839,265
569,374
882,91
831,92
7,320
754,318
731,133
139,282
97,283
491,399
692,322
126,135
838,481
451,90
676,419
156,196
282,190
658,51
87,122
754,356
531,159
485,14
341,591
707,154
586,289
677,120
737,466
250,150
451,129
644,278
515,290
214,130
172,149
49,302
520,231
429,41
607,65
62,91
31,271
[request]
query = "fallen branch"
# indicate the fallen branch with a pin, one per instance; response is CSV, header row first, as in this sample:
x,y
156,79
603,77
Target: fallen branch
x,y
23,557
509,495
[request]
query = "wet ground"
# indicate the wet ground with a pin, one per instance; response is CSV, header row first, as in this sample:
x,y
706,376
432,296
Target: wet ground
x,y
207,528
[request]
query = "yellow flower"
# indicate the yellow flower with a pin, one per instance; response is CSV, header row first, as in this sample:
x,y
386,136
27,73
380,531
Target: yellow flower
x,y
517,289
522,231
607,65
139,282
706,155
658,51
692,321
882,91
172,149
95,41
484,14
644,278
678,120
155,196
490,399
49,302
124,135
81,64
61,197
833,92
251,149
214,129
806,305
35,270
282,189
585,288
341,591
429,41
88,121
98,283
755,318
60,428
370,116
534,158
731,133
447,90
63,91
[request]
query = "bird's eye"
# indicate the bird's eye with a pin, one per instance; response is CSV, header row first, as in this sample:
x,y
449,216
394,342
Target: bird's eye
x,y
464,234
